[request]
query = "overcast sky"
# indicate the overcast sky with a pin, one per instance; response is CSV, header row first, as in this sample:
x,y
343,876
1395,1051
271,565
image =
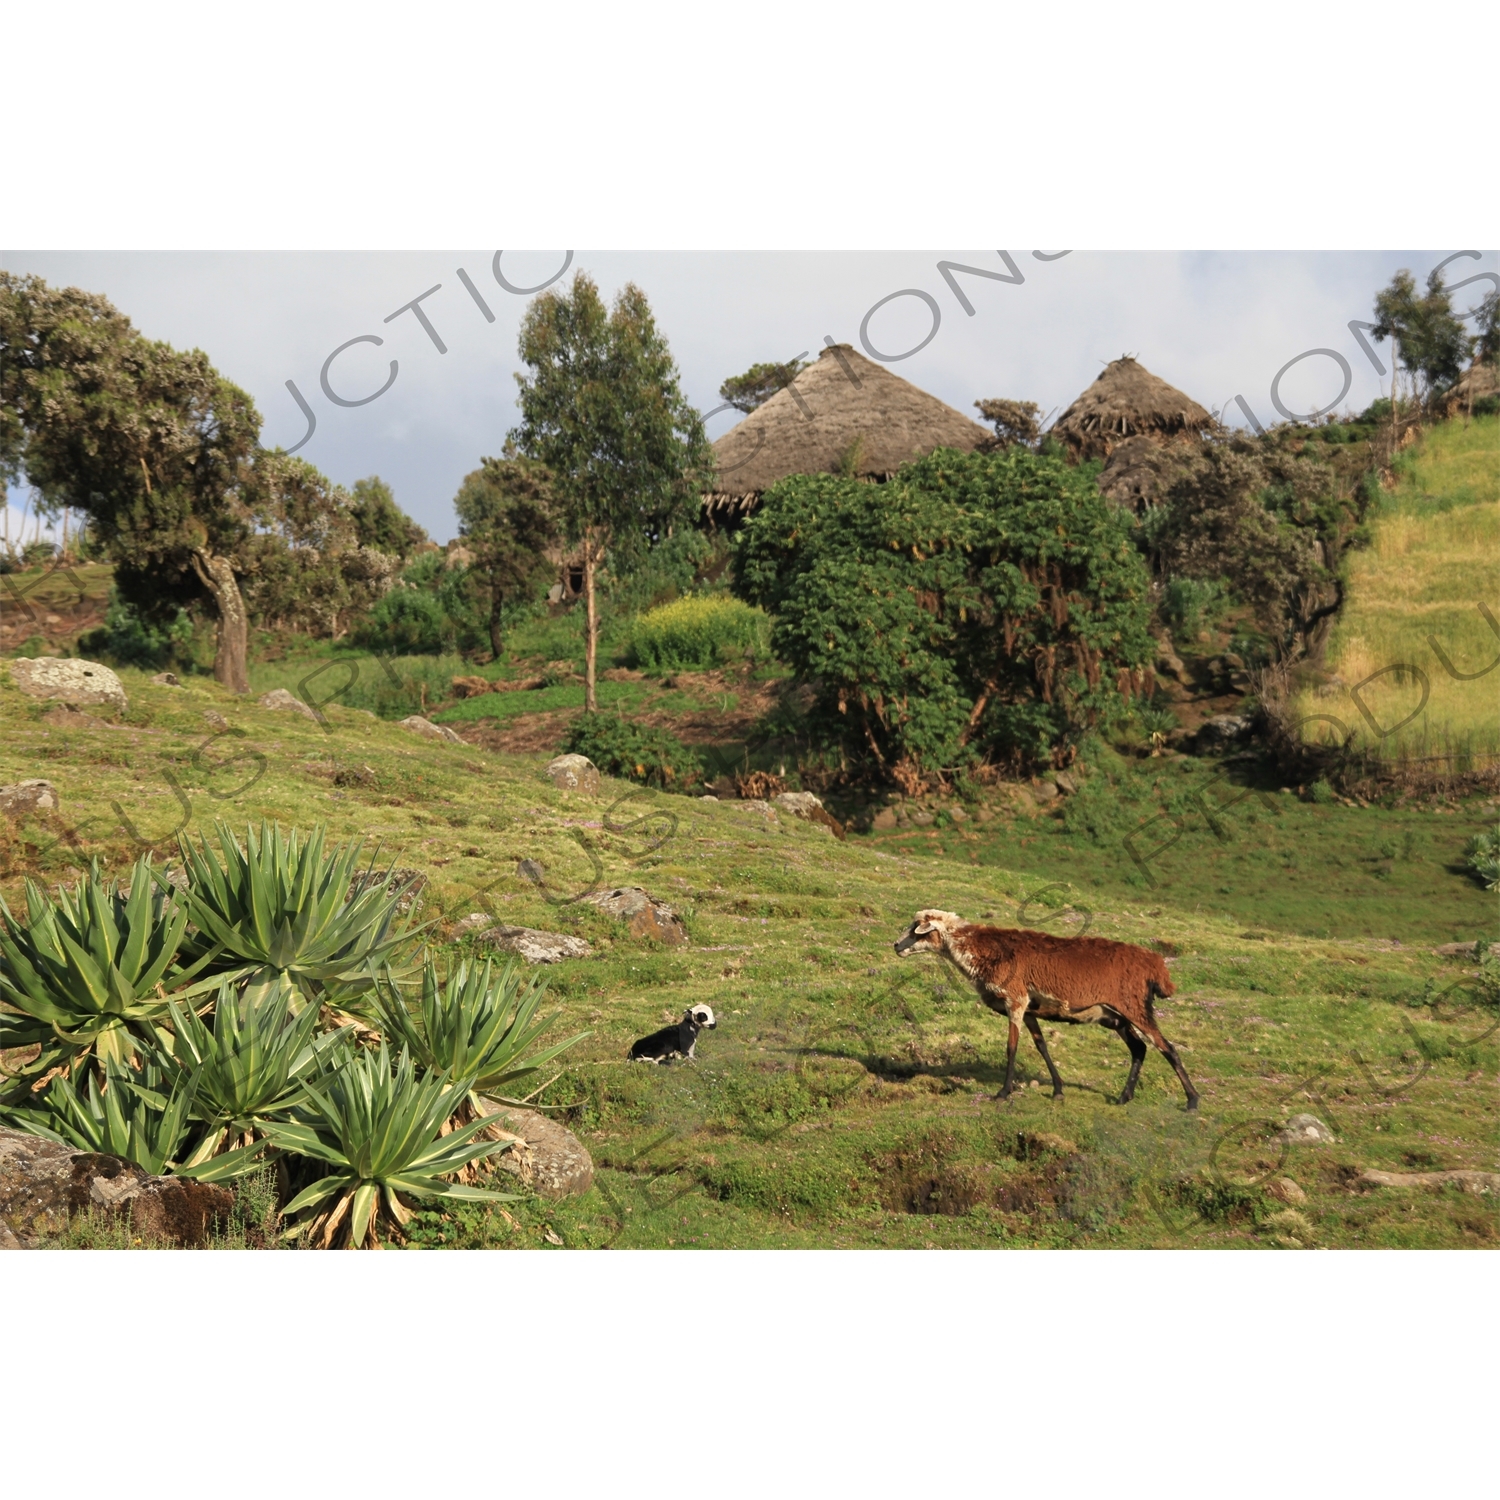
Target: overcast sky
x,y
1218,325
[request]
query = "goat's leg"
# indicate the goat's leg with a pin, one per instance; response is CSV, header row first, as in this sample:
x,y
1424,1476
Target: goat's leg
x,y
1137,1057
1010,1060
1168,1051
1035,1028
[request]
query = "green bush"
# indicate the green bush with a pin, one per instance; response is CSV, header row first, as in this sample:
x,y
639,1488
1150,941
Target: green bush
x,y
1189,605
619,748
408,622
697,633
127,639
1482,855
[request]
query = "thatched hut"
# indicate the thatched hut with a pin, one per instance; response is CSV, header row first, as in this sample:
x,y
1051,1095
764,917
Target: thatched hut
x,y
844,414
1128,401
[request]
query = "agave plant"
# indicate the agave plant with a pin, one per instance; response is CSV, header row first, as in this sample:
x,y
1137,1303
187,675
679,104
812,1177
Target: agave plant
x,y
86,972
252,1062
380,1131
1482,854
139,1115
281,905
478,1025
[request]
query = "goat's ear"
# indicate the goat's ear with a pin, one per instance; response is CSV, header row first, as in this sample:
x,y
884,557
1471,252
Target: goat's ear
x,y
922,927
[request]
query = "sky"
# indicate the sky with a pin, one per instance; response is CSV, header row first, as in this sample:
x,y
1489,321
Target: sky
x,y
1219,325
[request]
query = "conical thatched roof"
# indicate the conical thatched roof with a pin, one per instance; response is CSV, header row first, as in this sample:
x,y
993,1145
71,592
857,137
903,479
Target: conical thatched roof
x,y
842,413
1126,401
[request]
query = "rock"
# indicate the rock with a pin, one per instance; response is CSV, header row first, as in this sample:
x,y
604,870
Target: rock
x,y
281,700
166,679
476,921
1170,664
810,808
534,946
708,797
1303,1130
1064,782
549,1158
76,683
32,796
885,818
957,813
43,1183
1284,1190
574,773
1220,732
469,687
215,720
753,805
458,556
922,818
425,727
1448,950
1044,791
643,914
1482,1183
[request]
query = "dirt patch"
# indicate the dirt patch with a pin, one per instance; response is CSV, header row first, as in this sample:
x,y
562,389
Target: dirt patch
x,y
923,1178
526,734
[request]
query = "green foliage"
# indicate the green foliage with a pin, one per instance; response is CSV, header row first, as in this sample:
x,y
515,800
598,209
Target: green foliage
x,y
759,383
505,517
1430,338
477,1025
129,639
975,604
379,1130
1189,605
634,752
1013,421
697,633
1482,855
408,622
380,523
84,973
686,561
281,905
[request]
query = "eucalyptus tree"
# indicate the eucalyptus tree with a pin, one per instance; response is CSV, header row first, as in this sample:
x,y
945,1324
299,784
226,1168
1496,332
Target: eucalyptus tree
x,y
601,407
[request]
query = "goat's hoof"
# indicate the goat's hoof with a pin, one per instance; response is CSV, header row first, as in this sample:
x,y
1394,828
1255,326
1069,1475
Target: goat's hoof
x,y
1057,1093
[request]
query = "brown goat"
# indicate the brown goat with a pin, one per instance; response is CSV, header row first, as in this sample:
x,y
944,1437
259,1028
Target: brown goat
x,y
1030,977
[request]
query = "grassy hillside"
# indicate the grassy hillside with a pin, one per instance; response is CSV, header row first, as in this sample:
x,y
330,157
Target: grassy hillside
x,y
843,1099
1434,558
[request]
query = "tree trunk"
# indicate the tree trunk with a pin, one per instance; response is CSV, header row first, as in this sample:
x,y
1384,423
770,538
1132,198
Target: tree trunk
x,y
217,576
591,649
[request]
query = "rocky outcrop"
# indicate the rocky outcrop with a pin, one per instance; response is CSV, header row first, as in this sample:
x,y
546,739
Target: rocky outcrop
x,y
279,698
1220,733
810,808
1304,1130
535,946
76,683
426,728
546,1156
643,915
574,773
25,797
43,1183
1482,1183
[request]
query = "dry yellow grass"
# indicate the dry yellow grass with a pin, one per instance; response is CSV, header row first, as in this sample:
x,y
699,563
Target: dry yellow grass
x,y
1423,610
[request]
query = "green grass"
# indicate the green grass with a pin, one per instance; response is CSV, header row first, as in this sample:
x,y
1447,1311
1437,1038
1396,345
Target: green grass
x,y
844,1087
1434,558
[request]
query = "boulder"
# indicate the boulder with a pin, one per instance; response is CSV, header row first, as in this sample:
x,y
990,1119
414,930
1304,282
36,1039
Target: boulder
x,y
1065,783
43,1183
547,1157
1284,1190
1481,1183
810,808
76,683
1220,733
31,796
1304,1130
279,698
426,728
1446,950
643,914
574,773
534,946
166,679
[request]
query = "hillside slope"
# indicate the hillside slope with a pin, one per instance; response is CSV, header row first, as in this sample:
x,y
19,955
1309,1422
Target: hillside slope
x,y
843,1099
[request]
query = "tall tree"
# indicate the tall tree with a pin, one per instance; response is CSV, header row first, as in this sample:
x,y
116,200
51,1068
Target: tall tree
x,y
380,523
602,409
153,444
1430,338
505,519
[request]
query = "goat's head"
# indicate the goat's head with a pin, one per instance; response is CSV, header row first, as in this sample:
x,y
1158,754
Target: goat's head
x,y
701,1017
928,932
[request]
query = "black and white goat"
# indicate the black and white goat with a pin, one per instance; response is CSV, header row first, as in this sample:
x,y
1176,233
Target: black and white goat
x,y
674,1041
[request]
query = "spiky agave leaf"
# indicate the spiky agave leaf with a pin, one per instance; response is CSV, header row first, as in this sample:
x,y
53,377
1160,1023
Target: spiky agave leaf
x,y
281,905
477,1025
86,971
141,1115
251,1063
379,1130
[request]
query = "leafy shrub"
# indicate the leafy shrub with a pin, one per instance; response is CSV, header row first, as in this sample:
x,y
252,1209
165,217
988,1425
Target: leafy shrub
x,y
986,604
128,639
1189,605
1323,793
408,622
619,748
696,633
1482,855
